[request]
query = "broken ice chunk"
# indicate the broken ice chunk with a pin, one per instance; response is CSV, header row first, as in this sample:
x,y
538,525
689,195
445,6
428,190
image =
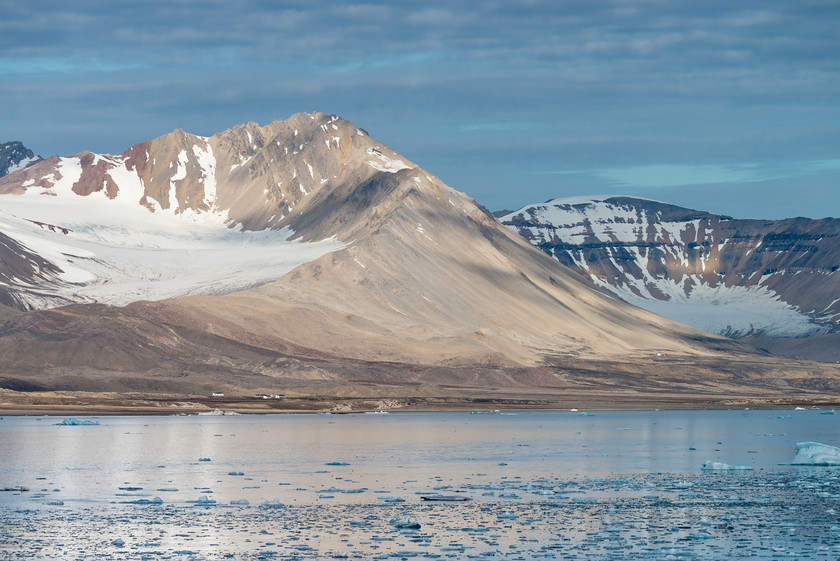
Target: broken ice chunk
x,y
273,503
73,422
720,466
405,523
816,454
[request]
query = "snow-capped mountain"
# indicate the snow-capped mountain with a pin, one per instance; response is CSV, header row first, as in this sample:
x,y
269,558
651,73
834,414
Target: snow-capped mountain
x,y
14,156
306,249
727,276
157,220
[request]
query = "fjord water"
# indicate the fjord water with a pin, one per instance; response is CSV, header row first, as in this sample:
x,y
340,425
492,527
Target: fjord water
x,y
555,476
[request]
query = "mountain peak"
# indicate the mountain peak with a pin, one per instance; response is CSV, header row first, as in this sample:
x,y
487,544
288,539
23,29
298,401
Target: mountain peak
x,y
15,156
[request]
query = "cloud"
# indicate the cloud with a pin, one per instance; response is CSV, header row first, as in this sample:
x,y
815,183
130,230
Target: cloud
x,y
645,91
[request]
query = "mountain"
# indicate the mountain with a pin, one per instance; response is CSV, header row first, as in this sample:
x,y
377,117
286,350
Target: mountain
x,y
14,156
305,253
760,279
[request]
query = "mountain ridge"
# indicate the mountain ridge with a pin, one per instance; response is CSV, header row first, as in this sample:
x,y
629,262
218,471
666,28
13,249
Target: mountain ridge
x,y
401,278
15,156
781,277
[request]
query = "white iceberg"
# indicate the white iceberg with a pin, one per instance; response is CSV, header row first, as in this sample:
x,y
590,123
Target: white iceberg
x,y
273,503
709,465
405,523
74,422
816,454
204,500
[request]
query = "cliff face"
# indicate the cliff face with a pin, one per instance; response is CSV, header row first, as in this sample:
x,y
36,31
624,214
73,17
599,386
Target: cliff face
x,y
732,277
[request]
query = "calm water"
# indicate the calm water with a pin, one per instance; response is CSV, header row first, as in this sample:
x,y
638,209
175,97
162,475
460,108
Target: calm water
x,y
603,486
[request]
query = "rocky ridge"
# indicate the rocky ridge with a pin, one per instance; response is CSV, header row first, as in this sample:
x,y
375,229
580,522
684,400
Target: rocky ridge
x,y
739,278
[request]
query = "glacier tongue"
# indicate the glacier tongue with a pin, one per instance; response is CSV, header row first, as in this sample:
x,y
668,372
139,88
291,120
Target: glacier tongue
x,y
116,251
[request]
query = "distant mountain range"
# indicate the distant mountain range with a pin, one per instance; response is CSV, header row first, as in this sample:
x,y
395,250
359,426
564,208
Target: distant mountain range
x,y
306,252
757,279
14,156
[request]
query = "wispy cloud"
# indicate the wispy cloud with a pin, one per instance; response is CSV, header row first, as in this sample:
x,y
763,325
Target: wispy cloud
x,y
577,85
679,175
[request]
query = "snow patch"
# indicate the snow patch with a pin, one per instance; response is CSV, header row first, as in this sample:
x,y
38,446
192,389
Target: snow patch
x,y
385,163
21,164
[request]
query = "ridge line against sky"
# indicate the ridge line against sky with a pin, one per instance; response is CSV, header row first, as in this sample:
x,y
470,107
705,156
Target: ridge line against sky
x,y
726,107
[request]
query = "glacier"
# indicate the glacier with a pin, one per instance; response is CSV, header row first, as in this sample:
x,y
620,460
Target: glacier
x,y
117,251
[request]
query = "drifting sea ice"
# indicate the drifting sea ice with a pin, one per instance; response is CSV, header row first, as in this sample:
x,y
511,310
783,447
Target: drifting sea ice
x,y
709,465
73,422
816,454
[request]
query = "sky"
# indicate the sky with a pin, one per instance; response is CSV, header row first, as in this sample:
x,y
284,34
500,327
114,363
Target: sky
x,y
729,107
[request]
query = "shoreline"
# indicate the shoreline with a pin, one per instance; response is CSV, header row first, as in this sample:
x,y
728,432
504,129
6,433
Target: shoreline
x,y
14,404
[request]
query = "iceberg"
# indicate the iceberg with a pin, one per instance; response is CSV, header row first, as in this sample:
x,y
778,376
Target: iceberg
x,y
709,465
816,454
204,500
73,422
405,523
272,503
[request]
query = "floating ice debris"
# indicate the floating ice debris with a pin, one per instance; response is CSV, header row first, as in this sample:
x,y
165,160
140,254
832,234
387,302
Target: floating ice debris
x,y
816,454
337,464
586,414
799,409
167,489
217,412
573,410
235,473
204,500
155,501
118,542
73,422
18,488
446,498
405,523
204,459
827,412
390,499
240,502
376,412
273,503
709,465
130,488
55,503
507,515
701,535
